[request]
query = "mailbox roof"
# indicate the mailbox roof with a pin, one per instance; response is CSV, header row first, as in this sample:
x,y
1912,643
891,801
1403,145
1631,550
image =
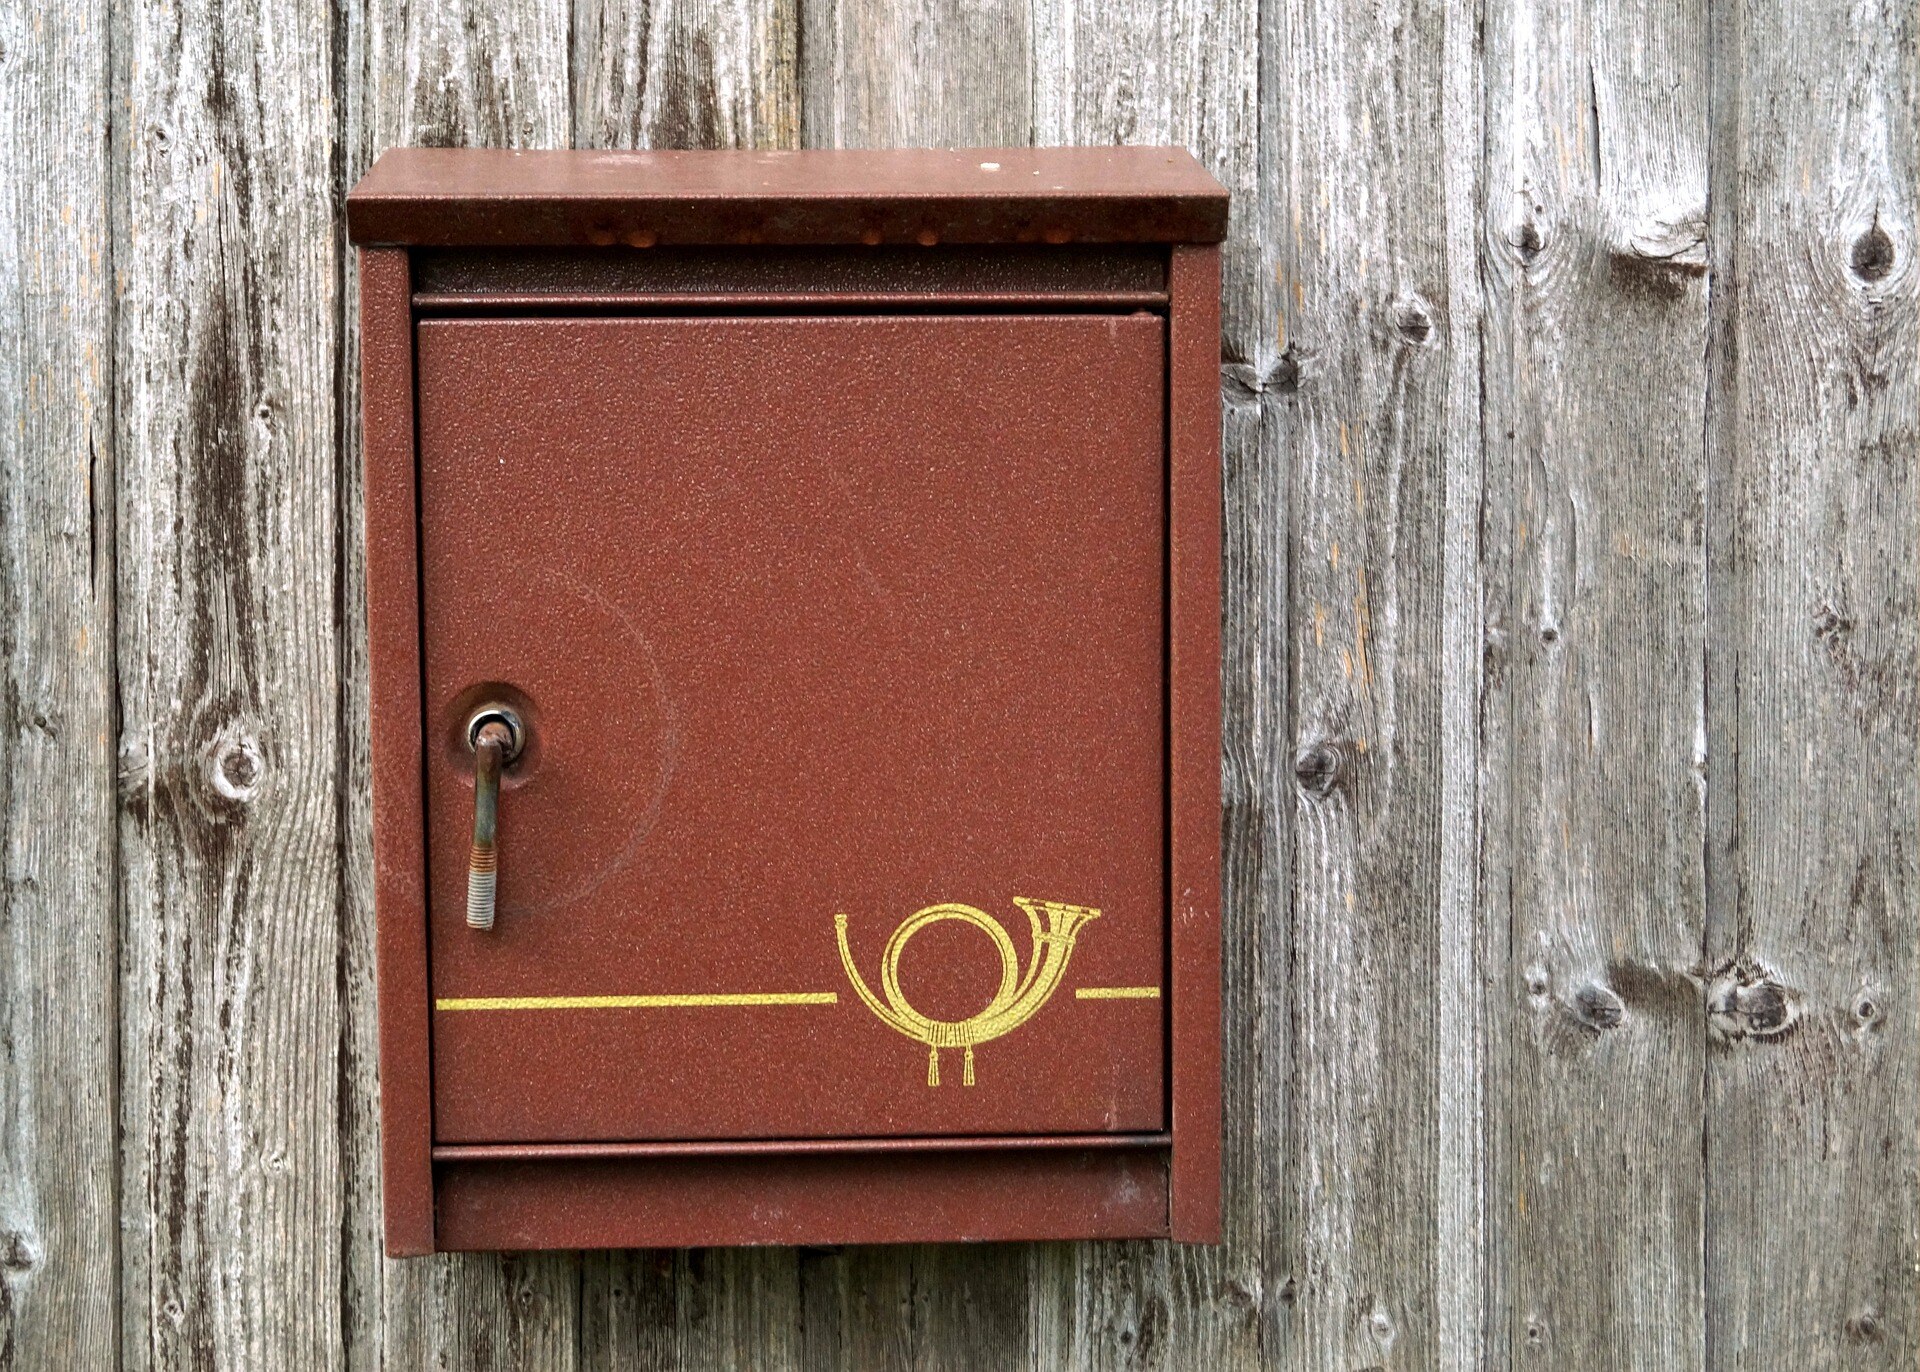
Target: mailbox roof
x,y
457,197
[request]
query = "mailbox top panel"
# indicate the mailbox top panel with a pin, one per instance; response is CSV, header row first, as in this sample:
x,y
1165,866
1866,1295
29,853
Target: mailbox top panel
x,y
475,197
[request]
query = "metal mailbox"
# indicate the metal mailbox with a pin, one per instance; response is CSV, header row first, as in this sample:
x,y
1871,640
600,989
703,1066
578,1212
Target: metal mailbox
x,y
793,600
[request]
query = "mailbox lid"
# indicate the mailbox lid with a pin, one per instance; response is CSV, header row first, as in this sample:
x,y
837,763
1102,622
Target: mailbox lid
x,y
525,198
855,616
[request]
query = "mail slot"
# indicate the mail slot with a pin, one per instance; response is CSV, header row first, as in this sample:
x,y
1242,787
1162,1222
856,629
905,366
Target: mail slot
x,y
793,603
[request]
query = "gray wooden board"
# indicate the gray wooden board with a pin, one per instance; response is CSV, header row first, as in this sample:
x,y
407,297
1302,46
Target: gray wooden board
x,y
1570,654
1596,300
58,932
1813,1141
226,262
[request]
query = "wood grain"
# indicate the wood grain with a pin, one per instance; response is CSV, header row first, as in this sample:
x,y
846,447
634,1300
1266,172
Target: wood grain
x,y
59,1226
229,688
941,73
686,74
917,73
436,75
1570,663
1597,309
1178,71
1381,417
1812,993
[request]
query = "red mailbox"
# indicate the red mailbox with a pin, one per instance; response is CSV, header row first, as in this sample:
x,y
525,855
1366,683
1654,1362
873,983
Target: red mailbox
x,y
793,592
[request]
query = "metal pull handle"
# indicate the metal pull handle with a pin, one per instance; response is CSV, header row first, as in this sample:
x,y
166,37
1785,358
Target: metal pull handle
x,y
495,735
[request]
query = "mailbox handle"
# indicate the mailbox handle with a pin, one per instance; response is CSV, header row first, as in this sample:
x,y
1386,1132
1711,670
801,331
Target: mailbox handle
x,y
494,734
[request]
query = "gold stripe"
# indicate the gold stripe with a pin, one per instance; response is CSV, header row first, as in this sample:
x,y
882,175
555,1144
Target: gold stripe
x,y
637,1002
1117,993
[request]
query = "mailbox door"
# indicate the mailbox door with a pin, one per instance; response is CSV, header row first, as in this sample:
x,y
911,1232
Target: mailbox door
x,y
841,646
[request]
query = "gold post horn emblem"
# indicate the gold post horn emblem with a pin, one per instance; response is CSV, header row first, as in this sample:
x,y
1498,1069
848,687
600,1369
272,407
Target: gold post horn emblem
x,y
1012,1005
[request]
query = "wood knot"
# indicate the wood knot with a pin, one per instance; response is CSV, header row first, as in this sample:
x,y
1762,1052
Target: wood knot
x,y
1381,1329
1413,320
1872,256
1598,1008
1321,768
1744,1001
18,1253
1865,1327
1289,1291
1528,242
1829,623
236,766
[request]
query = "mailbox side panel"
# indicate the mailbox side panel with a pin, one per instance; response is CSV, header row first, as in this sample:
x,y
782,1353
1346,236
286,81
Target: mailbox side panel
x,y
1193,579
399,857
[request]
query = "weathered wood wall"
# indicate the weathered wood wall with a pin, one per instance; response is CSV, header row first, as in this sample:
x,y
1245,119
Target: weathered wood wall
x,y
1572,677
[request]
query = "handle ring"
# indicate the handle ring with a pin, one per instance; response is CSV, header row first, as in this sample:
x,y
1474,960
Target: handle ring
x,y
498,714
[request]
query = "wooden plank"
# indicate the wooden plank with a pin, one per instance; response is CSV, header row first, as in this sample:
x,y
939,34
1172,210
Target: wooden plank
x,y
1376,158
1470,1289
444,74
1812,983
1597,312
686,74
228,681
59,1233
1183,72
481,1310
936,73
916,73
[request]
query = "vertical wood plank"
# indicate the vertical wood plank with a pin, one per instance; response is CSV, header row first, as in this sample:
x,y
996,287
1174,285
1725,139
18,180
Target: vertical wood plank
x,y
686,74
1597,309
939,73
59,1233
1187,73
455,74
228,682
916,73
1470,1284
1377,166
1813,987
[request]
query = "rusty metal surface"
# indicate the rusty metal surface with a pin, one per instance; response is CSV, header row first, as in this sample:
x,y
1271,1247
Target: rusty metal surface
x,y
451,197
1108,302
821,1199
808,617
399,859
969,269
1193,584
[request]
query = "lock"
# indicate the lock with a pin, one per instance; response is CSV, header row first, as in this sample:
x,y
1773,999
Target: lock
x,y
497,737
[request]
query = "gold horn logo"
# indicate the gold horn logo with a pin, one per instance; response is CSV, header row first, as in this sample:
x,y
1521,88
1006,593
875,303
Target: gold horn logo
x,y
1012,1005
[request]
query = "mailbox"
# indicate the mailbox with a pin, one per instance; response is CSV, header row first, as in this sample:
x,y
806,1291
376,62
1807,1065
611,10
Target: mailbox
x,y
793,592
